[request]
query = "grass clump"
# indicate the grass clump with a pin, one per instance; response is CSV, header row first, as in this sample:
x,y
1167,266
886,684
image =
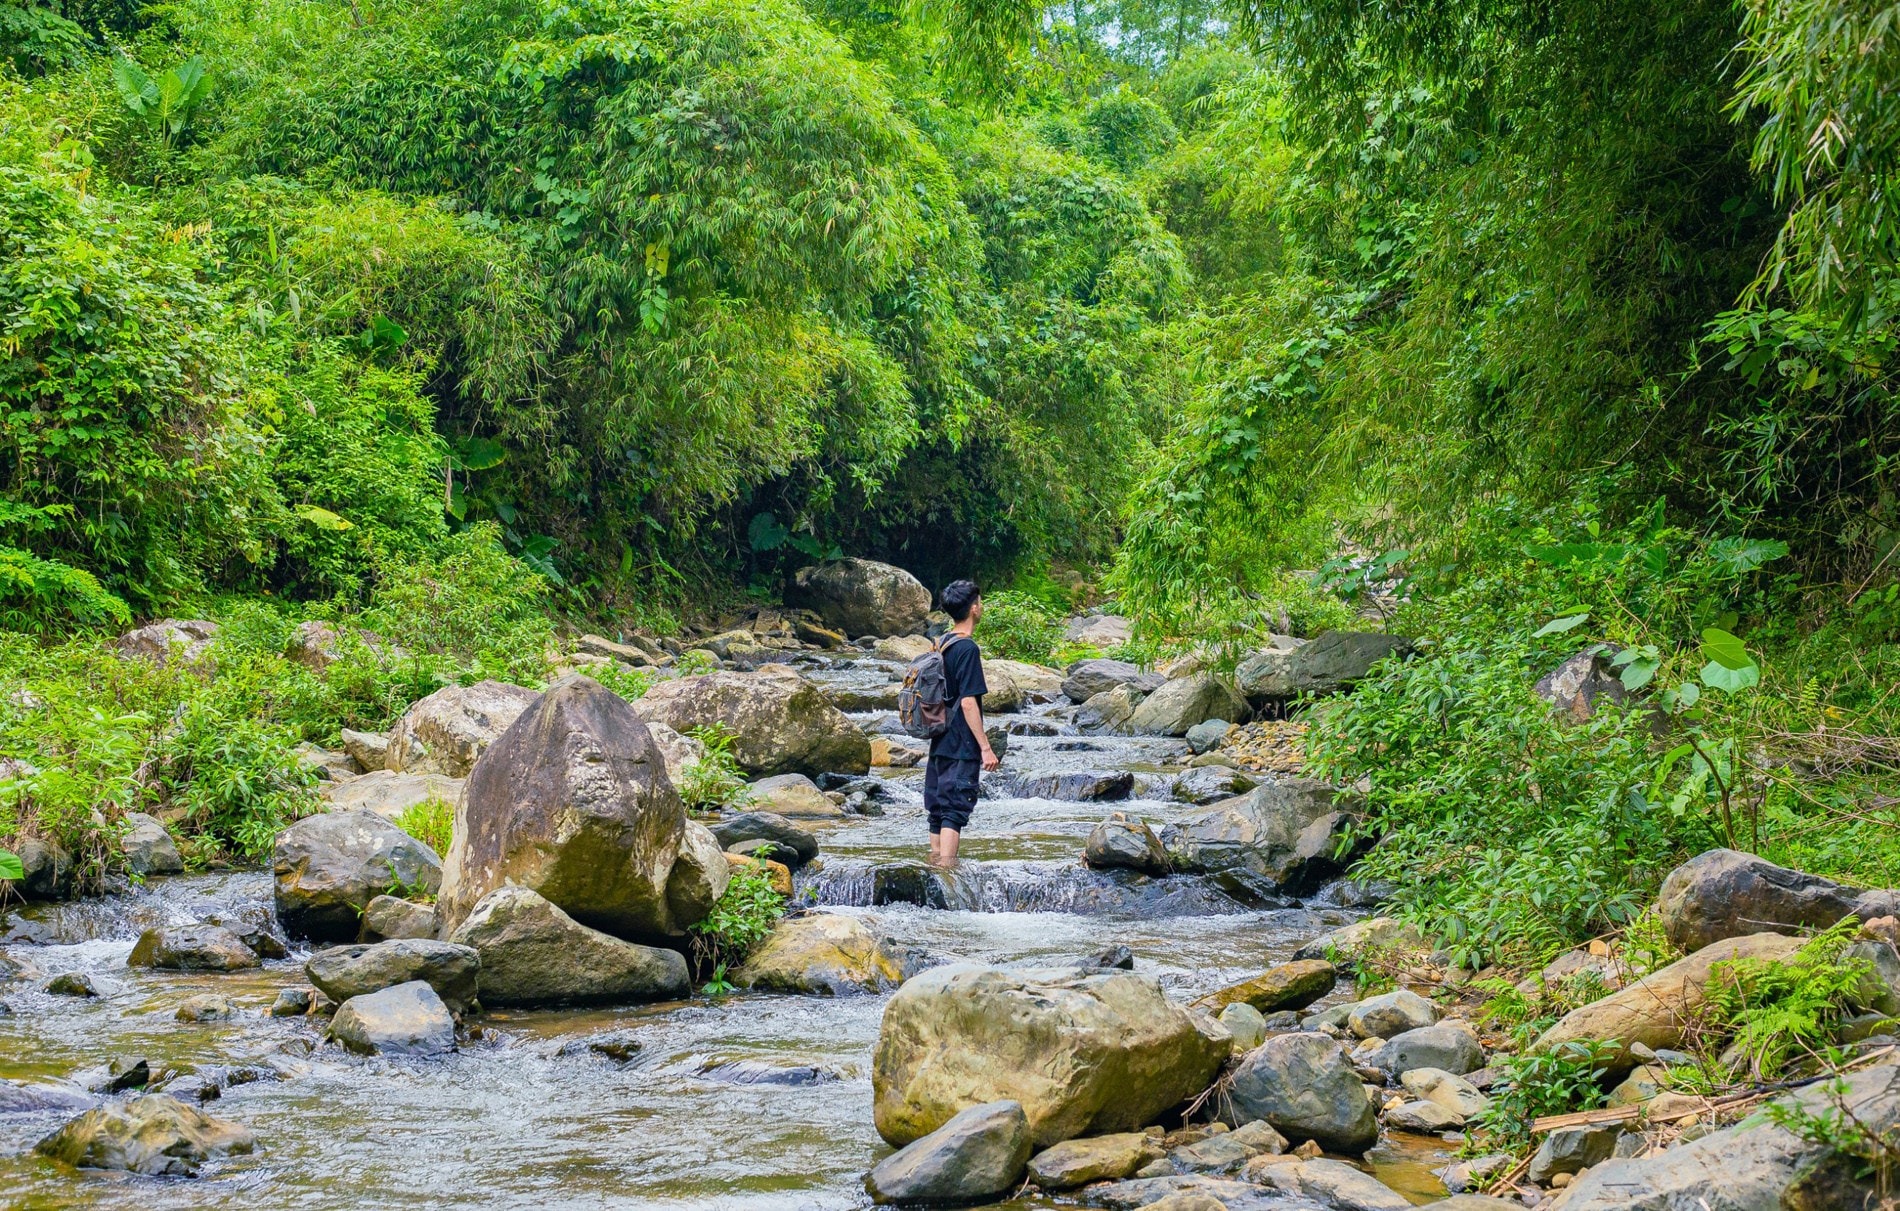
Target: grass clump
x,y
431,822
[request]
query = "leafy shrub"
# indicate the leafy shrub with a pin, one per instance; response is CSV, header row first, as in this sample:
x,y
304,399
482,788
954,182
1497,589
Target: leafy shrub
x,y
238,780
431,822
715,780
1780,1010
1568,1078
623,679
1017,626
471,599
742,918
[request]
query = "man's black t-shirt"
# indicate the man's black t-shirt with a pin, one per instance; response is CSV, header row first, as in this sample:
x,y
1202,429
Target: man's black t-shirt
x,y
963,678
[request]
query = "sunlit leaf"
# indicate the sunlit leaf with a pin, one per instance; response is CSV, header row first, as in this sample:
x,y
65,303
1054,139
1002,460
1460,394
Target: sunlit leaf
x,y
1558,626
323,519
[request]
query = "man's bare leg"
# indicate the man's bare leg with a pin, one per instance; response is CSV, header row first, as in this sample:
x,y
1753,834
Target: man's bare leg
x,y
944,852
935,846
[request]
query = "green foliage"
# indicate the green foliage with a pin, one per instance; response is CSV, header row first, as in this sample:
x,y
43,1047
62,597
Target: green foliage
x,y
470,598
431,822
1779,1011
1568,1078
1017,626
39,40
238,780
1873,1151
742,918
166,100
10,865
715,780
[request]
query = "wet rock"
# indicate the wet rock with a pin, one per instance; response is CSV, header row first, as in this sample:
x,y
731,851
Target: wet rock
x,y
783,723
1110,710
1247,1024
390,794
812,634
1337,1185
1333,662
897,752
148,849
759,1072
72,984
1228,1150
343,972
1114,956
408,1019
1574,686
192,948
1423,1117
368,749
794,796
1122,842
532,953
1305,1086
1087,678
448,731
1081,1050
253,927
779,874
153,1134
169,639
329,867
1206,735
1259,832
118,1074
388,917
619,1046
827,954
205,1007
1658,1009
978,1154
16,1098
699,875
572,803
1180,704
1293,985
796,845
1571,1150
1343,945
1075,786
862,597
908,883
1212,783
1725,894
1036,683
1449,1090
1078,1162
1317,853
1390,1014
47,869
1454,1050
291,1003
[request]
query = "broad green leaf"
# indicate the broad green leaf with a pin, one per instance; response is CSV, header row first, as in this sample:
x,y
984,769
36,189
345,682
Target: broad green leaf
x,y
323,519
1726,650
1639,673
1719,676
1689,692
1558,626
10,866
135,87
480,453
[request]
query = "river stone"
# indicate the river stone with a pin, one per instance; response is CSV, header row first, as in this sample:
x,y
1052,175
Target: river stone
x,y
901,649
778,873
1337,1185
1078,1162
1108,711
1188,1192
1087,678
1333,662
205,1007
192,948
291,1003
862,597
1125,843
1423,1117
1247,1024
1081,1050
796,845
390,794
388,917
329,867
1447,1047
342,972
1005,697
1658,1010
1212,783
1390,1014
1304,1085
794,796
1347,943
1206,735
572,803
1572,1149
72,984
828,954
184,639
447,732
1292,985
977,1155
1228,1150
1258,832
47,869
407,1019
532,953
680,753
1574,686
152,1134
1725,894
368,749
1033,681
1180,704
148,848
782,723
16,1098
1753,1164
1447,1089
699,875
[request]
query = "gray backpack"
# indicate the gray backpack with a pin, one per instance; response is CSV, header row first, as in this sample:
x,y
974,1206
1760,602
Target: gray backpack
x,y
923,705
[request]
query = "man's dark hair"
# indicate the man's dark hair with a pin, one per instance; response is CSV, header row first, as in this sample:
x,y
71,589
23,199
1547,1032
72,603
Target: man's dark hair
x,y
958,597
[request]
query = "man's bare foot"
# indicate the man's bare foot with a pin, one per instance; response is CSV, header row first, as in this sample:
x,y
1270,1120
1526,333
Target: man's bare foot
x,y
943,863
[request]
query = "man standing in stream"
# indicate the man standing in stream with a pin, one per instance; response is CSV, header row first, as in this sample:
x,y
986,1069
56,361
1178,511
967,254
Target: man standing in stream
x,y
959,756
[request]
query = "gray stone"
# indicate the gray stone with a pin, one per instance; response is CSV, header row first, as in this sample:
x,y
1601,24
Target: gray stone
x,y
291,1003
47,869
1426,1118
1572,1150
1126,843
1574,687
1449,1090
794,796
182,639
1186,701
368,749
329,867
390,794
862,597
408,1019
977,1155
796,845
1087,678
1078,1162
148,848
1333,662
1068,786
1724,893
1880,988
389,917
1390,1014
1463,1176
330,766
317,645
824,954
192,948
1229,1150
1212,783
447,732
18,1098
152,1134
1189,1192
1104,631
1207,734
699,875
782,723
1304,1086
532,953
1109,711
1260,832
205,1007
450,969
1247,1024
255,928
1336,1185
1447,1047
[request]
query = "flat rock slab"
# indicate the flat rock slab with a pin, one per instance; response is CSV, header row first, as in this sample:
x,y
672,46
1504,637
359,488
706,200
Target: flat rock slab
x,y
1292,985
1078,1162
192,948
151,1134
343,972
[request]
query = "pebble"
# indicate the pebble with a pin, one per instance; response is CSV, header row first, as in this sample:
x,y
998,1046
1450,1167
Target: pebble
x,y
1270,746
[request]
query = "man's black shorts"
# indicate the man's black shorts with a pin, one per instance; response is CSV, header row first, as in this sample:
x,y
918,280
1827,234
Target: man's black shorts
x,y
950,791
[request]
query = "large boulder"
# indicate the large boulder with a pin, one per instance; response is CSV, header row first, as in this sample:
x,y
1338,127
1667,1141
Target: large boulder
x,y
699,876
1005,696
1292,985
573,803
794,845
822,953
1102,631
1574,686
329,867
1127,843
1724,894
1304,1085
793,795
1263,831
447,732
408,1019
191,948
532,953
1110,710
1755,1164
1087,678
782,723
168,639
1186,701
1082,1050
976,1156
1036,683
862,597
148,849
1330,663
388,793
152,1134
48,870
452,970
1659,1009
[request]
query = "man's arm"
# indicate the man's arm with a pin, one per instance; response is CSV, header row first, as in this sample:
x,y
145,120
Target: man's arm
x,y
973,715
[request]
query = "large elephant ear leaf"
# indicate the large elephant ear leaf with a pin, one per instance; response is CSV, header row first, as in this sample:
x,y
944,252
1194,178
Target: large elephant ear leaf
x,y
11,867
135,87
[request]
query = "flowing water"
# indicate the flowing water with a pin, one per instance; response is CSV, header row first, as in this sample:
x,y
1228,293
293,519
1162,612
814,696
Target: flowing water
x,y
753,1102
